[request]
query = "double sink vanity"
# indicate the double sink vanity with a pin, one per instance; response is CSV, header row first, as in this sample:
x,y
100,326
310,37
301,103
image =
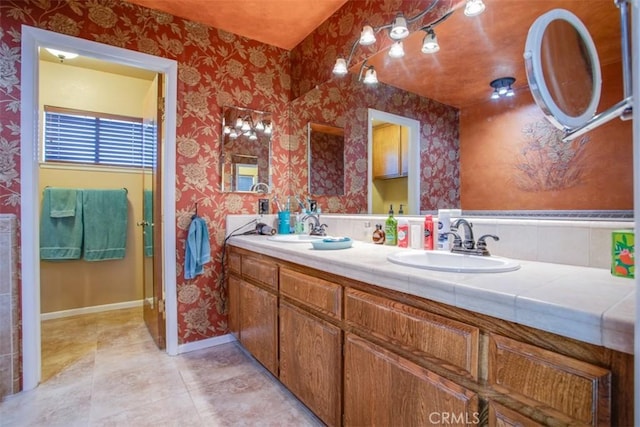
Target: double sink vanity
x,y
362,338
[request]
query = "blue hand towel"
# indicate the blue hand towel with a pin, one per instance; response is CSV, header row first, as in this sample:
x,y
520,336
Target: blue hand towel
x,y
60,237
62,202
198,250
105,224
148,217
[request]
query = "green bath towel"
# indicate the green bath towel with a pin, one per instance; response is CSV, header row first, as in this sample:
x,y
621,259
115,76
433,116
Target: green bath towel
x,y
105,224
148,217
62,202
60,237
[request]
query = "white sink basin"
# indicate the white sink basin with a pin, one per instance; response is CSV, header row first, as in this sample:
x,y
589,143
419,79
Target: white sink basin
x,y
293,238
458,263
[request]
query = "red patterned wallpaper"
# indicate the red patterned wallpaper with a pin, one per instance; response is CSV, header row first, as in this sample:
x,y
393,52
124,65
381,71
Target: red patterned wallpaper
x,y
327,160
343,102
216,68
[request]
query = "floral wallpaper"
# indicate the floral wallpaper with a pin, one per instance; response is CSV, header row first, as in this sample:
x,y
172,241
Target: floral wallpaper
x,y
343,102
215,69
326,176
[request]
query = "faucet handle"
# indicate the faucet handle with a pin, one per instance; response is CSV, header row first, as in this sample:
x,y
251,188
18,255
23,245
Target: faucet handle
x,y
482,243
457,240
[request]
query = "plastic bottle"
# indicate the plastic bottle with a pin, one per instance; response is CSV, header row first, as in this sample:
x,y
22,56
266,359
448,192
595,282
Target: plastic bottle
x,y
391,229
378,235
444,226
428,233
403,232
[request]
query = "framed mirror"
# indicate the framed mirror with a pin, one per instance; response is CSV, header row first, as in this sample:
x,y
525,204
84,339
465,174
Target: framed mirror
x,y
246,150
563,69
325,159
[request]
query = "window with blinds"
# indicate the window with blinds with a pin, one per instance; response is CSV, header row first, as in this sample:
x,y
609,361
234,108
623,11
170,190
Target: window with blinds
x,y
98,139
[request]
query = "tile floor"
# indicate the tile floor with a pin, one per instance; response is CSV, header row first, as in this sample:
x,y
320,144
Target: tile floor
x,y
104,370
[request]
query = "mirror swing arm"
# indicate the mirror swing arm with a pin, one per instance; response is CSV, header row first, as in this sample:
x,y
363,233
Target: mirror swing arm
x,y
577,126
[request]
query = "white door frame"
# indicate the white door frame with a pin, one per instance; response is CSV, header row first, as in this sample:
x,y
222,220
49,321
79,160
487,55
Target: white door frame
x,y
413,173
32,40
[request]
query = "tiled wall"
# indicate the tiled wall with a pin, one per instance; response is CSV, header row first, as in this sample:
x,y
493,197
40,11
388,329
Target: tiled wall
x,y
574,242
9,357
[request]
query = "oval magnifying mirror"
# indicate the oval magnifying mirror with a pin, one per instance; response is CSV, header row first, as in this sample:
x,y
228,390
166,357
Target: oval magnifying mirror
x,y
563,69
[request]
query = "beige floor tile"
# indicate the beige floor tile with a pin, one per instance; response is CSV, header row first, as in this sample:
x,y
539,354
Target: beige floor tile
x,y
104,370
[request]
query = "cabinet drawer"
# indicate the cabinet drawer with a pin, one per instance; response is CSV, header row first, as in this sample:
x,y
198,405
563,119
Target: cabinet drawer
x,y
574,388
315,293
500,416
261,271
453,344
235,261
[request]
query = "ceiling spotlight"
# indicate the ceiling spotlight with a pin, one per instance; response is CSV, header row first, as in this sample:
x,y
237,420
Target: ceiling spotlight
x,y
502,87
340,68
61,55
430,42
397,50
474,7
399,30
370,77
367,37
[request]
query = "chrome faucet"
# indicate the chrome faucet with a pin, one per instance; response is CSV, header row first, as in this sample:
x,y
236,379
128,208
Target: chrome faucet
x,y
316,228
468,244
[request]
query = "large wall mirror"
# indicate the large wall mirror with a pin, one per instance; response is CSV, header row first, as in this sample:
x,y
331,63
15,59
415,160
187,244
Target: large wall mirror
x,y
246,150
326,159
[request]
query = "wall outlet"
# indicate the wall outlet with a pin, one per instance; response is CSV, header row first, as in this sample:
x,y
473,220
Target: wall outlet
x,y
263,206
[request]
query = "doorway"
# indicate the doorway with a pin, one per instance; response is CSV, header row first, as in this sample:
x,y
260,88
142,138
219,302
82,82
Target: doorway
x,y
32,40
402,136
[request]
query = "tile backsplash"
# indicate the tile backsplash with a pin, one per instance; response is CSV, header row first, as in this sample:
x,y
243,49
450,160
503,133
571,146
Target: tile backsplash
x,y
9,345
575,242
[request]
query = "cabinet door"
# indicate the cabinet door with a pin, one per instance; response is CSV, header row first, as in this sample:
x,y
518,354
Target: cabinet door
x,y
258,324
233,312
500,416
386,151
384,389
310,361
404,151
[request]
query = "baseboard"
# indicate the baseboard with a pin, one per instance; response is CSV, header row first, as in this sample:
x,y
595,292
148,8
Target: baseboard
x,y
89,310
206,343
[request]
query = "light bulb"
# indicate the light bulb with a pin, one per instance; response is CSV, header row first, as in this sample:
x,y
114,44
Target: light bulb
x,y
233,134
399,30
510,92
253,136
430,43
245,126
227,130
340,68
474,7
238,123
260,126
367,36
495,94
268,129
397,50
370,77
502,91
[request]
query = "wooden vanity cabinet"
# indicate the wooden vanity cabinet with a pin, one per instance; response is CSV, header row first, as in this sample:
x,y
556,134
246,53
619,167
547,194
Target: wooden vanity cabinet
x,y
361,355
384,389
310,345
253,300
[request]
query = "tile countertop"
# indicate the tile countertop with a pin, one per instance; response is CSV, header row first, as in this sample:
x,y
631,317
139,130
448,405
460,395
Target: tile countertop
x,y
587,304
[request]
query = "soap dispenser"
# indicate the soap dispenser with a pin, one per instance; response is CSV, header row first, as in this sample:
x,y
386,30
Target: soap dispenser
x,y
391,229
378,235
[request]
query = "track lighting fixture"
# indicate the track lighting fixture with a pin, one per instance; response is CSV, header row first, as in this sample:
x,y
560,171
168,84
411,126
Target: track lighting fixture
x,y
399,30
502,87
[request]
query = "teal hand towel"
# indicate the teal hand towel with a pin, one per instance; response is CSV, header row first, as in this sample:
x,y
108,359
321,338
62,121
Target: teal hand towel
x,y
62,202
105,224
148,217
198,250
60,237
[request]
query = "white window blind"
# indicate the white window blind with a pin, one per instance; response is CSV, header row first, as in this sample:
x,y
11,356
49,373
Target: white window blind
x,y
98,139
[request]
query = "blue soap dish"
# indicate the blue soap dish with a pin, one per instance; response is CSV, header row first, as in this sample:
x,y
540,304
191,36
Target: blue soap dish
x,y
329,243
